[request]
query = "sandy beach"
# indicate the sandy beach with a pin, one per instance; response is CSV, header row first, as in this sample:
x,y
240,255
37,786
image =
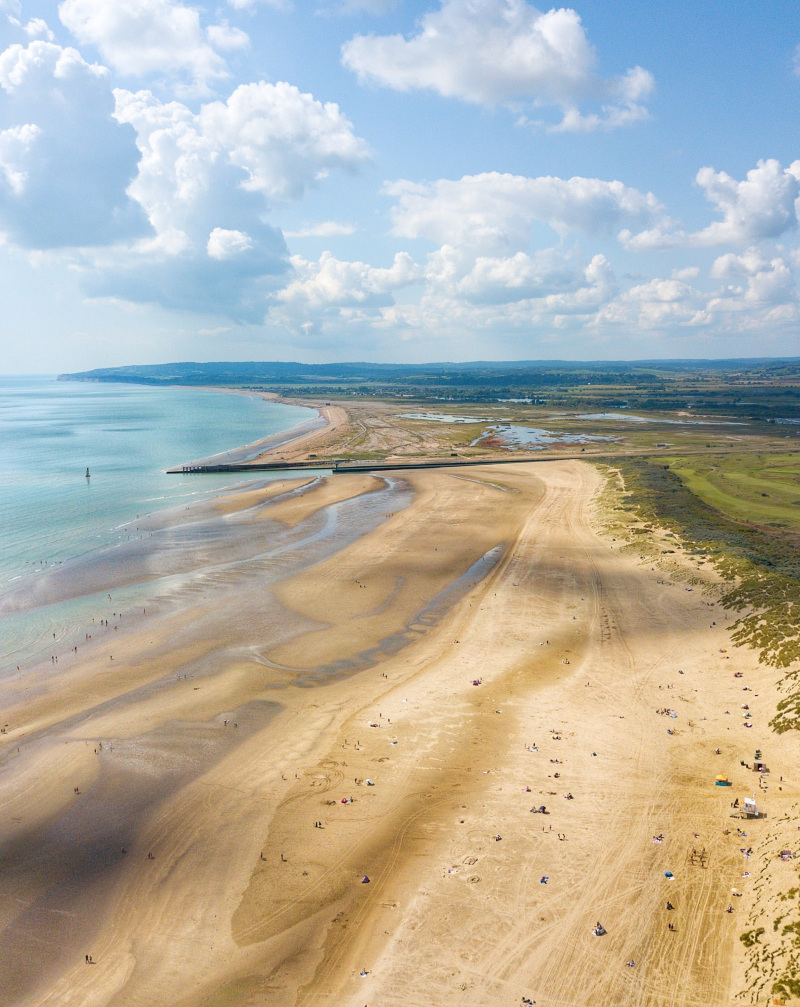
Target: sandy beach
x,y
305,774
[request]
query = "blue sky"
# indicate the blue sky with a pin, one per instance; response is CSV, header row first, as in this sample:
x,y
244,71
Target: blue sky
x,y
401,181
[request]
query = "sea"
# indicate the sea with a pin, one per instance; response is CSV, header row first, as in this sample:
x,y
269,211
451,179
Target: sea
x,y
127,436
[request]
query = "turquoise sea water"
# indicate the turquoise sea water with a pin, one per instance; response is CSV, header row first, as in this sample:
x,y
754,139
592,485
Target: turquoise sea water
x,y
127,435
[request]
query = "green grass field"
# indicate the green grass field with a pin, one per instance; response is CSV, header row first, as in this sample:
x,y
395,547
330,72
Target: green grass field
x,y
761,489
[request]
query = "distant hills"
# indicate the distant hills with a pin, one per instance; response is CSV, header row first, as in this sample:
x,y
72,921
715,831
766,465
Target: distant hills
x,y
471,372
756,387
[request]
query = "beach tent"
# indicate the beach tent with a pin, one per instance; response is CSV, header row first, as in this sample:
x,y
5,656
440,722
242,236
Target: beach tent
x,y
750,808
722,781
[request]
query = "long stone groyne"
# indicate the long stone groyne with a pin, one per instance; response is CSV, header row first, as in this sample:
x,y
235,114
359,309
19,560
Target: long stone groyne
x,y
348,465
382,465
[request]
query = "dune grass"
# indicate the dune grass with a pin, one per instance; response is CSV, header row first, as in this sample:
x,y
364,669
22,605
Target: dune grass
x,y
760,561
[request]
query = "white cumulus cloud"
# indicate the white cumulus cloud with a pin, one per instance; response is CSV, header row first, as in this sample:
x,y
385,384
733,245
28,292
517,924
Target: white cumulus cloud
x,y
543,289
225,244
759,295
140,37
440,315
35,28
225,36
268,141
600,285
207,179
660,291
455,273
492,52
333,282
15,146
282,138
761,206
494,210
657,305
766,280
66,162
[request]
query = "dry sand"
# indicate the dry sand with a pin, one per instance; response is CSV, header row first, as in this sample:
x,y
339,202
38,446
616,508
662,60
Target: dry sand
x,y
301,448
227,726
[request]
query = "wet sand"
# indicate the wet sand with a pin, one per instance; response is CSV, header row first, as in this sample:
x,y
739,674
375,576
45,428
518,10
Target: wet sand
x,y
307,637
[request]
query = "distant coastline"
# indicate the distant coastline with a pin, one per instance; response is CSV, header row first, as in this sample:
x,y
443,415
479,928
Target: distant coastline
x,y
236,373
758,388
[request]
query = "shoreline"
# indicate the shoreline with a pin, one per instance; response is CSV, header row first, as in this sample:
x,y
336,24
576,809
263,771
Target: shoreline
x,y
255,449
248,456
219,760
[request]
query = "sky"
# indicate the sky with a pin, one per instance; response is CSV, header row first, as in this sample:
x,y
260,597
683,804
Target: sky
x,y
397,180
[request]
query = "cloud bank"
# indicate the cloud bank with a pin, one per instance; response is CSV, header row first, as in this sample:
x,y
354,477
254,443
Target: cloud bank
x,y
143,159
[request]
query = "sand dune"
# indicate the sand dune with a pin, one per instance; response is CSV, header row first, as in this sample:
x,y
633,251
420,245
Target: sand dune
x,y
268,694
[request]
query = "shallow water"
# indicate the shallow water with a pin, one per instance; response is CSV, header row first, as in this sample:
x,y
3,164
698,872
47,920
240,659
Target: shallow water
x,y
53,518
632,418
226,562
444,418
536,437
